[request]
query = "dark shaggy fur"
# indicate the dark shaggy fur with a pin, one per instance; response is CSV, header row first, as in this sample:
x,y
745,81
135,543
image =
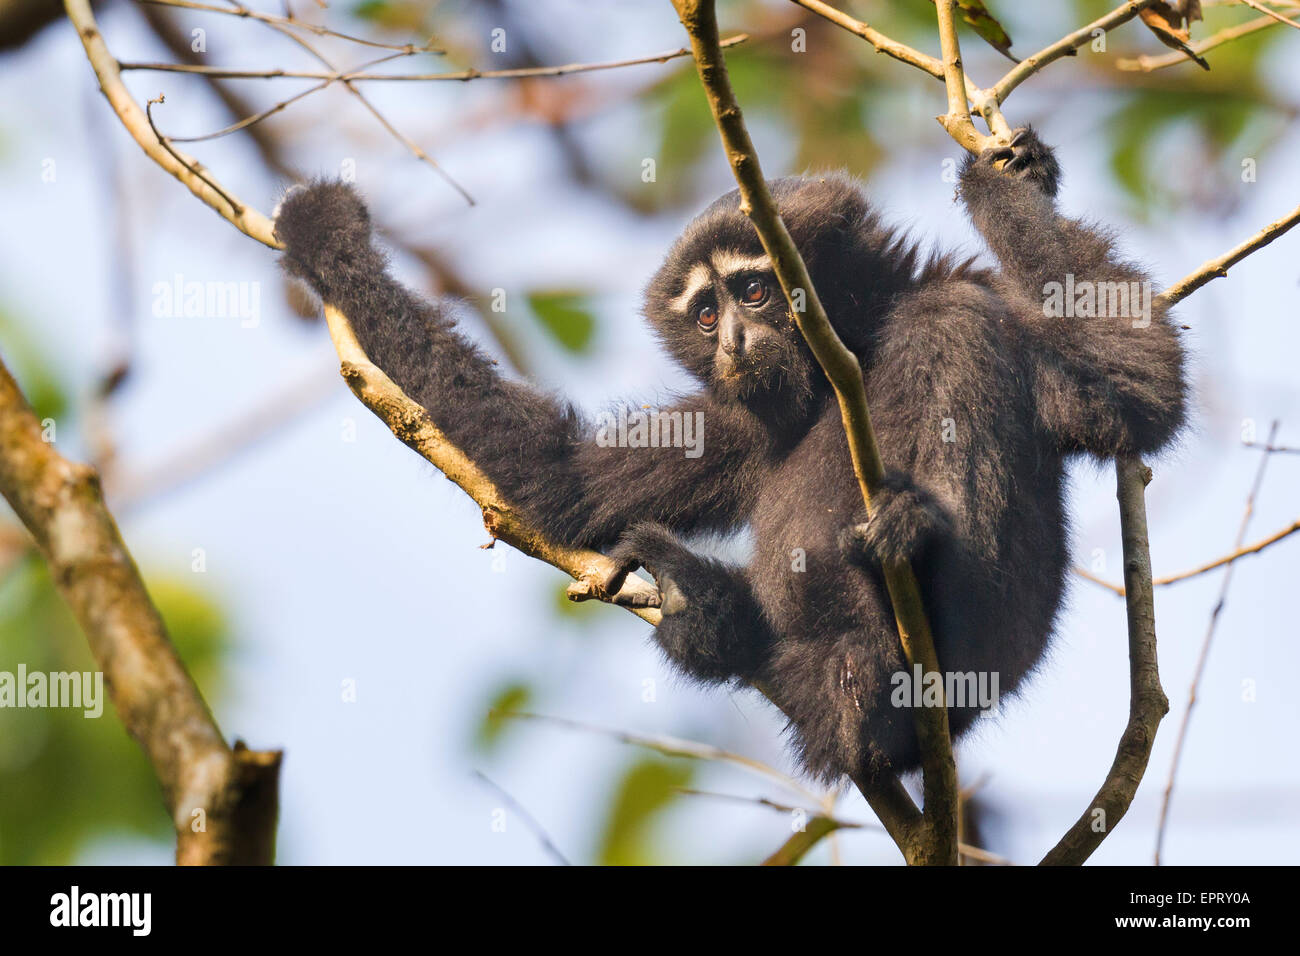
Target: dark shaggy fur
x,y
976,396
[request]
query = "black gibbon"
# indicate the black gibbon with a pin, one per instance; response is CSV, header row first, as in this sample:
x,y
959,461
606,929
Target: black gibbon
x,y
981,384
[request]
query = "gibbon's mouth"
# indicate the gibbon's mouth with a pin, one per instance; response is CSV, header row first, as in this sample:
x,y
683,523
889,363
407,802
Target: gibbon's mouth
x,y
749,375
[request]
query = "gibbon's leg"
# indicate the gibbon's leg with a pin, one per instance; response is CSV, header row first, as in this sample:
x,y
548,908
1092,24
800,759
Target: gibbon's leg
x,y
532,446
1106,363
712,626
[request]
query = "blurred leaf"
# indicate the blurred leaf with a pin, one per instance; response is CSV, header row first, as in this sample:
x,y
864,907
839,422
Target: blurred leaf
x,y
397,15
32,370
793,850
645,790
68,779
986,25
512,697
566,315
1221,123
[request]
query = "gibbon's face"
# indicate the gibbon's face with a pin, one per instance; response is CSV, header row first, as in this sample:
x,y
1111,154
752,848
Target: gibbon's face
x,y
732,323
715,302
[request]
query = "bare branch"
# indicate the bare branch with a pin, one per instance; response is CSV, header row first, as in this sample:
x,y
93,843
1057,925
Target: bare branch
x,y
1147,702
672,747
1066,46
239,10
246,219
957,120
413,427
1146,64
542,836
230,792
1219,562
882,43
845,375
414,148
459,76
1216,268
982,100
1273,14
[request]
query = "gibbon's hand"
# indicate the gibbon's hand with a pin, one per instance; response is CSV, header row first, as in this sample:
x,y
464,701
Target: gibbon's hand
x,y
655,548
906,518
325,228
1027,158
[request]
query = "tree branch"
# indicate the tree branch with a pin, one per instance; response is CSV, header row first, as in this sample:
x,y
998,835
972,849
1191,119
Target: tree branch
x,y
1146,64
845,374
957,120
1147,702
228,794
460,76
1065,46
1219,267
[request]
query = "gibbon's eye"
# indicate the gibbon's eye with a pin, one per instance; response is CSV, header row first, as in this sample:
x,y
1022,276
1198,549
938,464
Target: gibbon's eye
x,y
755,292
707,318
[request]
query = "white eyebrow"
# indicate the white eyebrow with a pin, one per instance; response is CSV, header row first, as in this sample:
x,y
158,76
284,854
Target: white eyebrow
x,y
729,262
697,279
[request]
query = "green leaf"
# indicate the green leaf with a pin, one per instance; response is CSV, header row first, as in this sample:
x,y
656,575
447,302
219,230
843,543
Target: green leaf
x,y
986,25
566,315
69,779
792,850
512,697
33,370
646,789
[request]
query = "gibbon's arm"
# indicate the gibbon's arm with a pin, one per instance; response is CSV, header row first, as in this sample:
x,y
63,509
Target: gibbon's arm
x,y
533,447
1109,382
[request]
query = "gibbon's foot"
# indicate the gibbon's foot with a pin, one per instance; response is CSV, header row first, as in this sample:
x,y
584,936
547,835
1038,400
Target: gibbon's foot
x,y
655,548
1027,158
906,518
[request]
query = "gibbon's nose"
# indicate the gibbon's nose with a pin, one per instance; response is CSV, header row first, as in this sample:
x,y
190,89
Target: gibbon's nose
x,y
732,334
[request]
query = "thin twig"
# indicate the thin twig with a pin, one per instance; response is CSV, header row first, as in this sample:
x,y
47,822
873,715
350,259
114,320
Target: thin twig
x,y
460,76
270,111
882,43
1219,562
192,165
542,837
1215,268
404,417
1146,64
982,100
239,10
965,849
1204,655
1065,46
670,747
1254,5
1272,449
244,218
374,111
